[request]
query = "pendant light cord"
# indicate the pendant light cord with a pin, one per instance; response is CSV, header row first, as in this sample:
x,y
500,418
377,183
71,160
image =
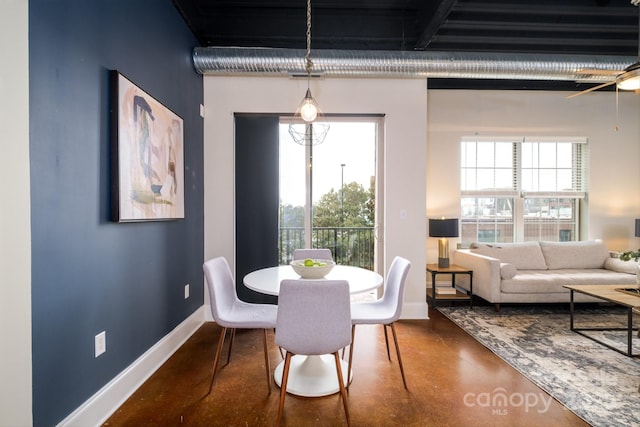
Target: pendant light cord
x,y
307,57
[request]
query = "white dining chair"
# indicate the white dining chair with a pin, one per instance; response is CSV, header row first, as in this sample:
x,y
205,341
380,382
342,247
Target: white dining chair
x,y
229,312
312,254
314,318
384,311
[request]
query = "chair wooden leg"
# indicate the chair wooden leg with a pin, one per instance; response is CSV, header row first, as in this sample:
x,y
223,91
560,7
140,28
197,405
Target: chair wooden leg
x,y
386,341
266,360
283,386
279,348
353,336
343,391
217,357
395,340
233,335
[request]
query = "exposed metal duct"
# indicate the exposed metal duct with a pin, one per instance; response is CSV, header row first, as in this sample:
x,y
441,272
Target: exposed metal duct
x,y
401,64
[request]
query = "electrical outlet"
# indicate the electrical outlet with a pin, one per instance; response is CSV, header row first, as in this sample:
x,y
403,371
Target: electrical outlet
x,y
101,343
186,291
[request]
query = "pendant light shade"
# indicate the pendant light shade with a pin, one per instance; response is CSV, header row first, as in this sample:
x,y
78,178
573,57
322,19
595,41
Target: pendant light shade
x,y
312,133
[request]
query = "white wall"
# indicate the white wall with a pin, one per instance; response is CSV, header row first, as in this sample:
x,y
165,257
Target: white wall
x,y
404,104
614,179
15,240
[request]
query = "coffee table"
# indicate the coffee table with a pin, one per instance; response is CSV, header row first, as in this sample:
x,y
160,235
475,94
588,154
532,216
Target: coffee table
x,y
612,294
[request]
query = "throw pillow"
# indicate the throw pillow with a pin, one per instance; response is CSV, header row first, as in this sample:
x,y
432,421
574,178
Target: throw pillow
x,y
524,255
616,264
585,254
507,271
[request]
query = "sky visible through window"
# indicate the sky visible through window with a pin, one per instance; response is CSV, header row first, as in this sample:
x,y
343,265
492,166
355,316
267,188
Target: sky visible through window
x,y
351,144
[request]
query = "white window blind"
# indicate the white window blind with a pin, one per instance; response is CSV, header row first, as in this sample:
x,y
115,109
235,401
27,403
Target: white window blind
x,y
554,167
537,167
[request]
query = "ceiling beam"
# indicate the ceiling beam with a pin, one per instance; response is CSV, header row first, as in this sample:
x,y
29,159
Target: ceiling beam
x,y
471,40
437,19
486,25
517,8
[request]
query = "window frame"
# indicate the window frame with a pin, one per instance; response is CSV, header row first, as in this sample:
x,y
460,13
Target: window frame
x,y
517,193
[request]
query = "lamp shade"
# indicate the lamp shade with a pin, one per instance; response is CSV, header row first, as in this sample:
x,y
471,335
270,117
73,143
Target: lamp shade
x,y
443,227
637,227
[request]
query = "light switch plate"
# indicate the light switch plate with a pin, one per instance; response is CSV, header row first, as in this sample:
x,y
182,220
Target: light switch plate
x,y
100,343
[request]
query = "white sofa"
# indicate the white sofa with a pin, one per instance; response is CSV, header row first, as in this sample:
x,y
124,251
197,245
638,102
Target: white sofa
x,y
535,272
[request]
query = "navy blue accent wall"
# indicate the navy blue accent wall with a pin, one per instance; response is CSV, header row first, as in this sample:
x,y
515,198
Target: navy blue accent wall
x,y
89,274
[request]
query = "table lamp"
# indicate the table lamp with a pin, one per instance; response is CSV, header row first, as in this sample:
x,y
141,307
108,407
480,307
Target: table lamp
x,y
443,229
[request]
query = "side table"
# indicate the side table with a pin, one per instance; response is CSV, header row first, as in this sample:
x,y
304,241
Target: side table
x,y
460,294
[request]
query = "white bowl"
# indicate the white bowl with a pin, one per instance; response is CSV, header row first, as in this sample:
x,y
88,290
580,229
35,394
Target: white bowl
x,y
315,272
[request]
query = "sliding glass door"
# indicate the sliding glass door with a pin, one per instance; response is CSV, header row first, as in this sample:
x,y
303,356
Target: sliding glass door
x,y
329,195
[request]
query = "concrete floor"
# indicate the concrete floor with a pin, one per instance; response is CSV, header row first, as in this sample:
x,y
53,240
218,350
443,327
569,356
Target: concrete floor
x,y
452,381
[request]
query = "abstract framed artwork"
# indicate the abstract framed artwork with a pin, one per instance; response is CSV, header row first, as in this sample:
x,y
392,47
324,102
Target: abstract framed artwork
x,y
147,156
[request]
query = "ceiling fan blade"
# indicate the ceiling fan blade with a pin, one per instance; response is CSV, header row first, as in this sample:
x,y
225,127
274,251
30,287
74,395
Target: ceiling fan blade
x,y
597,72
591,89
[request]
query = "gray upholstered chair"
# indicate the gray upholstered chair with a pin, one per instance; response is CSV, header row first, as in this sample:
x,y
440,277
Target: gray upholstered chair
x,y
314,318
231,313
384,311
312,254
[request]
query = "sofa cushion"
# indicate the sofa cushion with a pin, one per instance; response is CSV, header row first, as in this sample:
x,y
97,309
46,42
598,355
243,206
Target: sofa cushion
x,y
524,256
586,254
553,281
507,271
616,264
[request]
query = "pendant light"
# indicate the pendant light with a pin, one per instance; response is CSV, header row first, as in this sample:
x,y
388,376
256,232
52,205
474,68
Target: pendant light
x,y
309,127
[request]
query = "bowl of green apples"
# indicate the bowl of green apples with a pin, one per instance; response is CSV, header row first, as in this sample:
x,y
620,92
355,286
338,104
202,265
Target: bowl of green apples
x,y
312,268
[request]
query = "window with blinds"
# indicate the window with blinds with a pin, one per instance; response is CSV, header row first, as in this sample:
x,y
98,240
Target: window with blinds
x,y
519,189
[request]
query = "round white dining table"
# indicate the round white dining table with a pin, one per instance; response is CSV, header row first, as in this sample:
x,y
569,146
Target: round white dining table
x,y
312,376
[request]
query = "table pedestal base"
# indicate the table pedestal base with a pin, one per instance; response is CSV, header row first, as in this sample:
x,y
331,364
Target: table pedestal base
x,y
312,376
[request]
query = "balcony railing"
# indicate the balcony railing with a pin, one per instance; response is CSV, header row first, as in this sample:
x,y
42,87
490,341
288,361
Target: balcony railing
x,y
349,245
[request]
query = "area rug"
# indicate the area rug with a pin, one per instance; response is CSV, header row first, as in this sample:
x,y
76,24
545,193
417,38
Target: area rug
x,y
596,383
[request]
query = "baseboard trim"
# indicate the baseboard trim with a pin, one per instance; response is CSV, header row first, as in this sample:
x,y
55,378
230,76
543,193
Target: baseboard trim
x,y
96,410
416,310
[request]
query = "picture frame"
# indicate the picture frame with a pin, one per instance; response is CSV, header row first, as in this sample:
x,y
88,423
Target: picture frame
x,y
147,155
